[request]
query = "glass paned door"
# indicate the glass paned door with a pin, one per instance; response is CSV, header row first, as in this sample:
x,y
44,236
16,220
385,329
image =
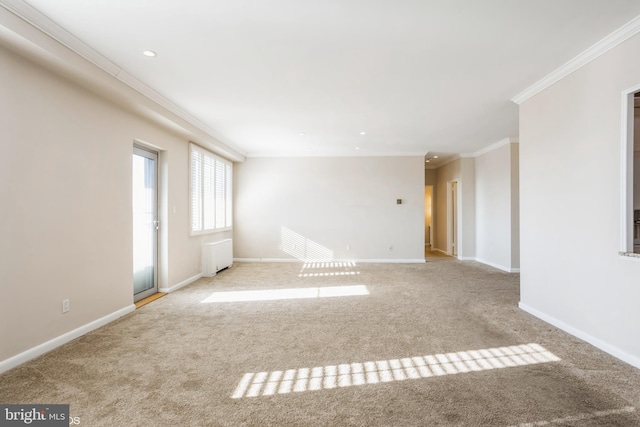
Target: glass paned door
x,y
145,223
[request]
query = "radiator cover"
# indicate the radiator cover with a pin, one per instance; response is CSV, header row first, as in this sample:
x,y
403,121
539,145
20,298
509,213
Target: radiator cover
x,y
216,256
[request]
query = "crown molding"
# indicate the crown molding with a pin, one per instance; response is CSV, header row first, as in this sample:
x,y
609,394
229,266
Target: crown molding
x,y
328,153
32,16
623,33
494,146
46,26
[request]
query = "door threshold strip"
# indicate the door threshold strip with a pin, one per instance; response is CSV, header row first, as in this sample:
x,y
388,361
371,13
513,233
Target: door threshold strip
x,y
148,299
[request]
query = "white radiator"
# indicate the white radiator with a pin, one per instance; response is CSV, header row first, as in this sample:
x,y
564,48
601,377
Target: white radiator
x,y
216,256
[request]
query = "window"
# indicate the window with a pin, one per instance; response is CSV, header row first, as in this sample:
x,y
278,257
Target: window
x,y
211,191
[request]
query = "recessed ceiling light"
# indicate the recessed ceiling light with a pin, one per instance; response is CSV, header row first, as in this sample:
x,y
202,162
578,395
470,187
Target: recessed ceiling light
x,y
435,157
149,53
301,134
357,148
363,133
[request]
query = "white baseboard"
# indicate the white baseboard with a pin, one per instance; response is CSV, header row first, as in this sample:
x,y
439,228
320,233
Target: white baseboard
x,y
498,266
41,349
480,260
362,261
181,284
602,345
393,261
380,261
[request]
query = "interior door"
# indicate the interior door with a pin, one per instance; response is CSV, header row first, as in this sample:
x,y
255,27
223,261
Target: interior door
x,y
145,223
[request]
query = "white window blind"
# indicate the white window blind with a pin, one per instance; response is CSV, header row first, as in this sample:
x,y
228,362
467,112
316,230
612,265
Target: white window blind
x,y
211,191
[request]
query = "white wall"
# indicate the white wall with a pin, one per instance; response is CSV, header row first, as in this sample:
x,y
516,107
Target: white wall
x,y
496,220
467,208
327,205
515,207
66,217
430,176
572,274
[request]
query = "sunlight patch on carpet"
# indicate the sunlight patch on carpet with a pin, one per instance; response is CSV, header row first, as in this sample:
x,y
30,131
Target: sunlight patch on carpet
x,y
284,294
327,269
382,371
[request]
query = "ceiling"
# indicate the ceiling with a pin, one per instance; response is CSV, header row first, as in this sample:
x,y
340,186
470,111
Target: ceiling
x,y
307,78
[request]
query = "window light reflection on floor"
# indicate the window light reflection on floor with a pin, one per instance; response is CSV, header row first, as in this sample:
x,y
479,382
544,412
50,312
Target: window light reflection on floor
x,y
291,293
382,371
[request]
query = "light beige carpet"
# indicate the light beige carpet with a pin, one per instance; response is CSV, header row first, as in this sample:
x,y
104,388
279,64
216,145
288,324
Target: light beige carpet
x,y
441,343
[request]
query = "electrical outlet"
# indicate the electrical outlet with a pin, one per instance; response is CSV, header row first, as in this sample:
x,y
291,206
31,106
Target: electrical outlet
x,y
348,247
65,305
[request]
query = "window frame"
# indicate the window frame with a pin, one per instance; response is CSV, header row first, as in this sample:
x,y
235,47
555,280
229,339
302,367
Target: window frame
x,y
217,212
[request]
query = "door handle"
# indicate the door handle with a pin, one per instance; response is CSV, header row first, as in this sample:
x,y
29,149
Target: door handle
x,y
156,224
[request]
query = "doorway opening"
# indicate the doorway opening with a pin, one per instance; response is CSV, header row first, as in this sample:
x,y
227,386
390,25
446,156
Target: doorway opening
x,y
635,141
145,222
428,218
630,197
452,218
